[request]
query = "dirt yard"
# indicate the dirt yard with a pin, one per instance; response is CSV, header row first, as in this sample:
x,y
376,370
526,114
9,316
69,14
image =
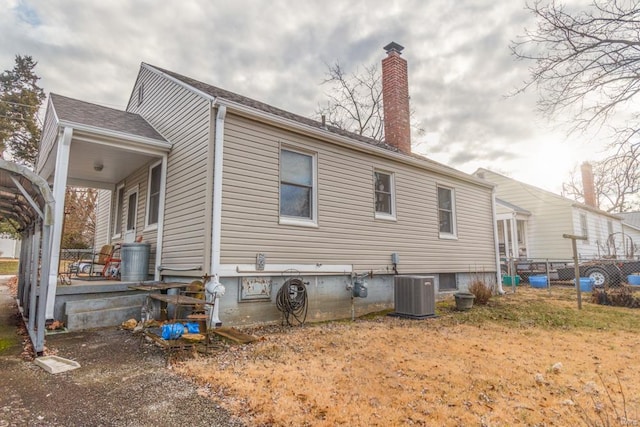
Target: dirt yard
x,y
529,358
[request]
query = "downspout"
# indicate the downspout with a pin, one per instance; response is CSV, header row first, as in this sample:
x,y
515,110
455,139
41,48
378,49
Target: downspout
x,y
216,226
213,287
495,241
161,208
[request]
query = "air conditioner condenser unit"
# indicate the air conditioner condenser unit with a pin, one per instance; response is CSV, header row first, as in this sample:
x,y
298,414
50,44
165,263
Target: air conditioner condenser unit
x,y
414,297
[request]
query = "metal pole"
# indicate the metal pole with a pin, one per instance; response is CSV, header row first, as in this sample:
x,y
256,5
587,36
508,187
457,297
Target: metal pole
x,y
547,267
577,272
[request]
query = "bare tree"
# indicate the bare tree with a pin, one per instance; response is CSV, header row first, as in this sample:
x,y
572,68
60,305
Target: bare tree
x,y
616,181
586,63
80,217
354,101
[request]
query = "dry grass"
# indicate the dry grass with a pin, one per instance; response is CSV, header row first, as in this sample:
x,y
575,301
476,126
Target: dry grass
x,y
494,365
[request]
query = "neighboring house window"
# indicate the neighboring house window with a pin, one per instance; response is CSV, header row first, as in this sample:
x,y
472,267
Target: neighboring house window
x,y
297,187
384,195
610,228
153,198
117,217
447,282
446,212
584,229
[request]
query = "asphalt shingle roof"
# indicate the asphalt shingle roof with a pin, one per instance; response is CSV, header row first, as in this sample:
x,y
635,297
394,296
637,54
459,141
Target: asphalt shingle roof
x,y
240,99
85,113
261,106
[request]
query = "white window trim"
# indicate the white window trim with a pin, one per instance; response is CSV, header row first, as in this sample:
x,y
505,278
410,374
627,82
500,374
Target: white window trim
x,y
454,223
296,221
392,183
154,226
115,217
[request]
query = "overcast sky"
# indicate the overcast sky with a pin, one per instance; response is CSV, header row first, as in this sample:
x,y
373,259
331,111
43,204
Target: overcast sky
x,y
276,51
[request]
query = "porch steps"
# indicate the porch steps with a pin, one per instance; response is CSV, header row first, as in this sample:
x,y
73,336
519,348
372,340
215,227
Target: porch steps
x,y
102,312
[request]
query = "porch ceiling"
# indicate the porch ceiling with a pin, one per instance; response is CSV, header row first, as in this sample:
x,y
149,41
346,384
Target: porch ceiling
x,y
106,145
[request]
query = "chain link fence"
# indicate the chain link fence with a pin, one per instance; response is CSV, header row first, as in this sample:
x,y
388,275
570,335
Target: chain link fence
x,y
543,272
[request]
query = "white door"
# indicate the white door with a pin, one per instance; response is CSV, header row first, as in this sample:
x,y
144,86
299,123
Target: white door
x,y
132,214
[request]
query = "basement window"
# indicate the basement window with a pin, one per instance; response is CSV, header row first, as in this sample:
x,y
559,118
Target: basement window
x,y
447,282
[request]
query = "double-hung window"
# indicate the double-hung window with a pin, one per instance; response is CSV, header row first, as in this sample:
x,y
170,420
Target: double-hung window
x,y
153,198
446,213
297,188
384,195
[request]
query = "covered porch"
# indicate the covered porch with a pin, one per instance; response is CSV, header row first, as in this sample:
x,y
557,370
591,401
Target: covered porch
x,y
91,146
512,226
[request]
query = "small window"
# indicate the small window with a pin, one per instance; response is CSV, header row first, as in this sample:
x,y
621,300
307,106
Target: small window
x,y
610,227
297,187
584,229
117,214
384,195
446,212
447,282
153,198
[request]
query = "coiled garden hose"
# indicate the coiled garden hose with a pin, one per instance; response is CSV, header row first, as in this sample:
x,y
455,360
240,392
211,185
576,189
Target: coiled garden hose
x,y
292,301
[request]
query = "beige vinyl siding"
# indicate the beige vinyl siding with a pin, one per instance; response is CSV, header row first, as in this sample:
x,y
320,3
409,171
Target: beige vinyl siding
x,y
48,139
183,119
347,231
550,218
103,227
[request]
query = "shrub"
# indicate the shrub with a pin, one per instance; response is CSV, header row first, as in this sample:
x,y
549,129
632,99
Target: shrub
x,y
481,291
621,296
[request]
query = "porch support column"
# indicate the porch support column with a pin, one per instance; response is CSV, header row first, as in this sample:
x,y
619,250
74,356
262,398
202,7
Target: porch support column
x,y
514,237
35,256
59,187
505,237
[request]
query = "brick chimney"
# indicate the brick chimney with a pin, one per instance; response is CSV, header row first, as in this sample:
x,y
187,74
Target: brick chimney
x,y
588,188
395,98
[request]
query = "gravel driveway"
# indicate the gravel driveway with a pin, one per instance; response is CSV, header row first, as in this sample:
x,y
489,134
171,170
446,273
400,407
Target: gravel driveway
x,y
121,382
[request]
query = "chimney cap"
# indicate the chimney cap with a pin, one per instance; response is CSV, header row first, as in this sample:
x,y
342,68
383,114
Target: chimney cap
x,y
393,47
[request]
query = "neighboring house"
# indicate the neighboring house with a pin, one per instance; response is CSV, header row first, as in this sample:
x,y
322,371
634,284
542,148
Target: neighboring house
x,y
220,184
9,248
532,221
631,229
